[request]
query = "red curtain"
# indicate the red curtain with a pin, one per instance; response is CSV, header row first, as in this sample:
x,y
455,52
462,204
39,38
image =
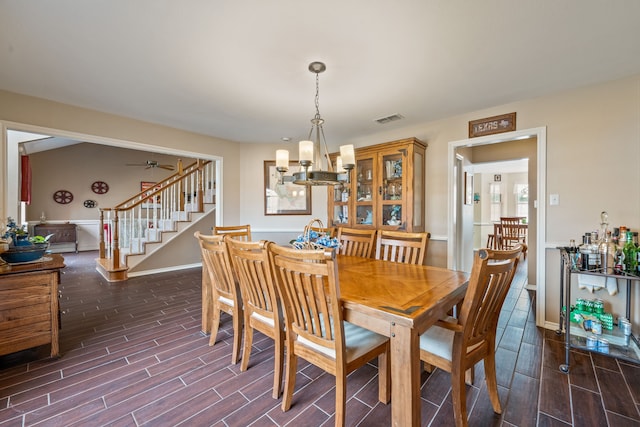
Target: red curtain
x,y
25,183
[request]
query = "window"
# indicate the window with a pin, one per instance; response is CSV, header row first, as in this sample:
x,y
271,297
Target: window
x,y
522,200
495,195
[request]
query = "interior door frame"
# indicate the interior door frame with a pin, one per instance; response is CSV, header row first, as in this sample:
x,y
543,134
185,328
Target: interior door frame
x,y
453,227
9,195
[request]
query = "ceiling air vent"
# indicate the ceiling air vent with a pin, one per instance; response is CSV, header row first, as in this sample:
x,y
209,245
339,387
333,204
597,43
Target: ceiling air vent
x,y
391,118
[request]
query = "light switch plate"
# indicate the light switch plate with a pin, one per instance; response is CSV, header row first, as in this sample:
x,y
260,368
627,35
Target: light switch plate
x,y
554,199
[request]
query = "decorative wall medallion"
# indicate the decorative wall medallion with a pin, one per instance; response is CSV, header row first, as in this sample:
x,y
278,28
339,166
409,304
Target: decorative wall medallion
x,y
90,204
100,187
63,197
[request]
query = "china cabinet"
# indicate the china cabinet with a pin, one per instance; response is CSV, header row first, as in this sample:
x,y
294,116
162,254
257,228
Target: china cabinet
x,y
386,190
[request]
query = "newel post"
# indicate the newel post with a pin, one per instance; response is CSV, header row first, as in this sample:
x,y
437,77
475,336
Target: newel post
x,y
101,234
115,245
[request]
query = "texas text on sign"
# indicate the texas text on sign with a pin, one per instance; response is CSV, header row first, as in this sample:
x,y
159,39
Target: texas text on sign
x,y
491,125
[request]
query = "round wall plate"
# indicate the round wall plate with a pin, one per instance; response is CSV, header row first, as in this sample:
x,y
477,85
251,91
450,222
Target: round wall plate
x,y
63,197
90,204
100,187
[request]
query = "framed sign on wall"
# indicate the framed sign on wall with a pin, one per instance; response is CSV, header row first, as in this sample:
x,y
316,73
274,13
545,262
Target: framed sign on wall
x,y
491,125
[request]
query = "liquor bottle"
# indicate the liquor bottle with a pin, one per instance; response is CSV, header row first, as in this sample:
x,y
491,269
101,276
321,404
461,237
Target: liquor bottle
x,y
630,252
589,252
607,251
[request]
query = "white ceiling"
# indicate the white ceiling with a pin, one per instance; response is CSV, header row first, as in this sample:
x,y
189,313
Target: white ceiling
x,y
238,69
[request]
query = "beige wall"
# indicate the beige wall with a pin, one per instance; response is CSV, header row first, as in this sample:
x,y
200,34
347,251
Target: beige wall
x,y
102,127
593,152
74,168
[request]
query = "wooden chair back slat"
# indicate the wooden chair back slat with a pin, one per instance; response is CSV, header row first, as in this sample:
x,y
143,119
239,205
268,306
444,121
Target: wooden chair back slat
x,y
239,232
216,258
311,305
512,232
403,247
330,231
251,263
356,242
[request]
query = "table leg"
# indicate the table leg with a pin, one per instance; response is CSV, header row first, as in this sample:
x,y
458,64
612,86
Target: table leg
x,y
405,376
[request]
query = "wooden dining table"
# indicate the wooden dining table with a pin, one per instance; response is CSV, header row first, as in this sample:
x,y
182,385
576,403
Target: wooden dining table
x,y
400,301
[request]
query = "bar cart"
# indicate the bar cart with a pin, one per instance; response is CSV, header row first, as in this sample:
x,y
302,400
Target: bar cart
x,y
575,336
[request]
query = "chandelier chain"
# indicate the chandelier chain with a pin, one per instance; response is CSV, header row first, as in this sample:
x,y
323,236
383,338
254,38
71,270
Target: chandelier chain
x,y
317,96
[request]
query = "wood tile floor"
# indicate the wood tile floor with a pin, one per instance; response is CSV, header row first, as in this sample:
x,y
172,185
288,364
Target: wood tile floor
x,y
133,355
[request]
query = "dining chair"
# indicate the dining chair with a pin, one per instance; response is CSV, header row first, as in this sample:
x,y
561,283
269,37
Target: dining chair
x,y
241,232
262,310
493,241
330,231
512,231
400,246
307,281
356,241
224,289
456,345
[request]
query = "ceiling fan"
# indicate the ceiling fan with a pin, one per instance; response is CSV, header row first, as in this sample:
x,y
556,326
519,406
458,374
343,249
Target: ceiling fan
x,y
152,164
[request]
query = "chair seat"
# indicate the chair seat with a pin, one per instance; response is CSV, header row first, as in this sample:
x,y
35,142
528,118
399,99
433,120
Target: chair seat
x,y
439,341
264,319
225,300
358,341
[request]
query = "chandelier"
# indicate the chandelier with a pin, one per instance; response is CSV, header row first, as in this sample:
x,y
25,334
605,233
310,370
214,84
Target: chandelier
x,y
309,153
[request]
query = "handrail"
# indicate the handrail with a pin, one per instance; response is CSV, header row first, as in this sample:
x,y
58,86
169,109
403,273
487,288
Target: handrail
x,y
144,195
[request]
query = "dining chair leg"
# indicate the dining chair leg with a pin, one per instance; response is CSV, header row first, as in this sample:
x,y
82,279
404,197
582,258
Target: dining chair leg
x,y
492,384
458,396
215,324
246,348
277,368
237,338
428,367
289,379
469,376
341,399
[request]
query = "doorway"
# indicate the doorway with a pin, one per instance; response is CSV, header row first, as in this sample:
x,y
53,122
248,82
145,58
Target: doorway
x,y
462,154
14,135
500,189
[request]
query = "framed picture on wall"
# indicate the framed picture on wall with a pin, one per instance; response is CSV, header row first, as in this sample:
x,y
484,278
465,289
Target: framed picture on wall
x,y
148,187
285,198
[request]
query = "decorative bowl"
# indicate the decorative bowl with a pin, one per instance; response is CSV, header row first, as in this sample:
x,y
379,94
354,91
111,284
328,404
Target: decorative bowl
x,y
23,254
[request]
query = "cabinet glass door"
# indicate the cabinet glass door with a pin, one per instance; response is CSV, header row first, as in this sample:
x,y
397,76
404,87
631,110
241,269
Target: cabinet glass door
x,y
365,192
392,190
341,196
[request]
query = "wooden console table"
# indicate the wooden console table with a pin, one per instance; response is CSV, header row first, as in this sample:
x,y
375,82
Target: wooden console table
x,y
62,233
29,309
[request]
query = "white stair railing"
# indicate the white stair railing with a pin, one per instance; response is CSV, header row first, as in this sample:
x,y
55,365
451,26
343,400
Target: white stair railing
x,y
125,228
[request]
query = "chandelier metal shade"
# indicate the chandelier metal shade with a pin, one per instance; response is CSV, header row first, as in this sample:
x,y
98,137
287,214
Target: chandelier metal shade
x,y
309,155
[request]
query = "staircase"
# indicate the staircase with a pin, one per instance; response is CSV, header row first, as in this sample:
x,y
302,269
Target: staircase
x,y
135,229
